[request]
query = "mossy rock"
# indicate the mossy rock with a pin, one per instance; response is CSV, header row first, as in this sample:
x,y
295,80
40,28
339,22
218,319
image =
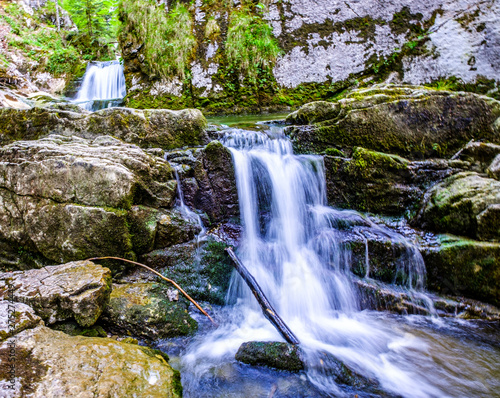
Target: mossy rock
x,y
406,120
465,204
204,272
144,310
381,183
463,267
276,355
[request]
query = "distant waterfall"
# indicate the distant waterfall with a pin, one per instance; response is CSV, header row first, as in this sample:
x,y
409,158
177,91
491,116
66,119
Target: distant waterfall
x,y
103,86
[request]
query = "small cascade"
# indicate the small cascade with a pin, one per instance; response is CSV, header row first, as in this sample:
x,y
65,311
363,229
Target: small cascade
x,y
187,212
103,86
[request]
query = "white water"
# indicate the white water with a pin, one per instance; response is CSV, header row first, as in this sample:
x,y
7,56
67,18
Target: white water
x,y
102,82
291,246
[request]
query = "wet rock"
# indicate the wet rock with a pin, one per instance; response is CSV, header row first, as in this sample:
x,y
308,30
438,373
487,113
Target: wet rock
x,y
16,317
277,355
381,183
461,267
406,120
464,204
151,128
68,198
217,194
175,228
204,272
145,310
52,364
77,290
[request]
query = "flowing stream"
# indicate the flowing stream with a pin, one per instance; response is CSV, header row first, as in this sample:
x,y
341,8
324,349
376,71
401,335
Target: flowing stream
x,y
293,245
103,86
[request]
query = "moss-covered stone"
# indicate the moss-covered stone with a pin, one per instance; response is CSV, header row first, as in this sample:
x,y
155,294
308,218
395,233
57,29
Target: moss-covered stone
x,y
410,121
273,354
465,267
464,204
144,310
381,183
204,272
147,128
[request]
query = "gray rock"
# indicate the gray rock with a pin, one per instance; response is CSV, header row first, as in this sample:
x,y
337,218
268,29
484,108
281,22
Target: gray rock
x,y
68,198
16,317
78,290
52,364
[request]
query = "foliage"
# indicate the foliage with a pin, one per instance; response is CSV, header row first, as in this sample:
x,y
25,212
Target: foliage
x,y
250,45
168,36
96,18
60,59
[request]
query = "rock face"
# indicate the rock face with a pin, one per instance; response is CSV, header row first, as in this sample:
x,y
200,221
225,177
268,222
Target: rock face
x,y
464,204
78,290
52,364
68,198
464,267
147,128
273,354
208,181
382,183
409,121
326,46
145,310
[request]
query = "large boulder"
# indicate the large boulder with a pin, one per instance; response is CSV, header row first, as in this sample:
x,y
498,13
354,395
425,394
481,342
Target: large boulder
x,y
49,363
68,198
464,267
148,311
382,183
406,120
78,290
464,204
147,128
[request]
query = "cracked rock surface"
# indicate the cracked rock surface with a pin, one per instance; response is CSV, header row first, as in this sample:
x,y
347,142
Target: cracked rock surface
x,y
78,290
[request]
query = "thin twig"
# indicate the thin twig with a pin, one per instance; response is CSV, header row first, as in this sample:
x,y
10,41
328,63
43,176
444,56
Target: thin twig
x,y
162,277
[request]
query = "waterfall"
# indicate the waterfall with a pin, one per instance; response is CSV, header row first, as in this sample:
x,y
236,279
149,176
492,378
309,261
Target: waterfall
x,y
292,244
103,86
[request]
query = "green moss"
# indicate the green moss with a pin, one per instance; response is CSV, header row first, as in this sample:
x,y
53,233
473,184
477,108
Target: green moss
x,y
217,266
334,152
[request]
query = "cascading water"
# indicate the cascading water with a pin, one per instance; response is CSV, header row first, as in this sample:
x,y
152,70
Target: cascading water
x,y
103,86
292,245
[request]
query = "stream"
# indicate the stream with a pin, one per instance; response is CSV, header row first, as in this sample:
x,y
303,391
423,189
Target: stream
x,y
292,245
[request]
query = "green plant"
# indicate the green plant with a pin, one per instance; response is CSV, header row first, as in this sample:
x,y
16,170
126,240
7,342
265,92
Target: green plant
x,y
250,45
62,60
168,36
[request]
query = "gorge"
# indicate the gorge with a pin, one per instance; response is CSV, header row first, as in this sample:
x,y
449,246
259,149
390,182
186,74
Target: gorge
x,y
367,210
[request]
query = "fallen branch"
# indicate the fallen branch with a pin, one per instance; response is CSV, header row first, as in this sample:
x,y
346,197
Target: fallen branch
x,y
264,303
162,277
